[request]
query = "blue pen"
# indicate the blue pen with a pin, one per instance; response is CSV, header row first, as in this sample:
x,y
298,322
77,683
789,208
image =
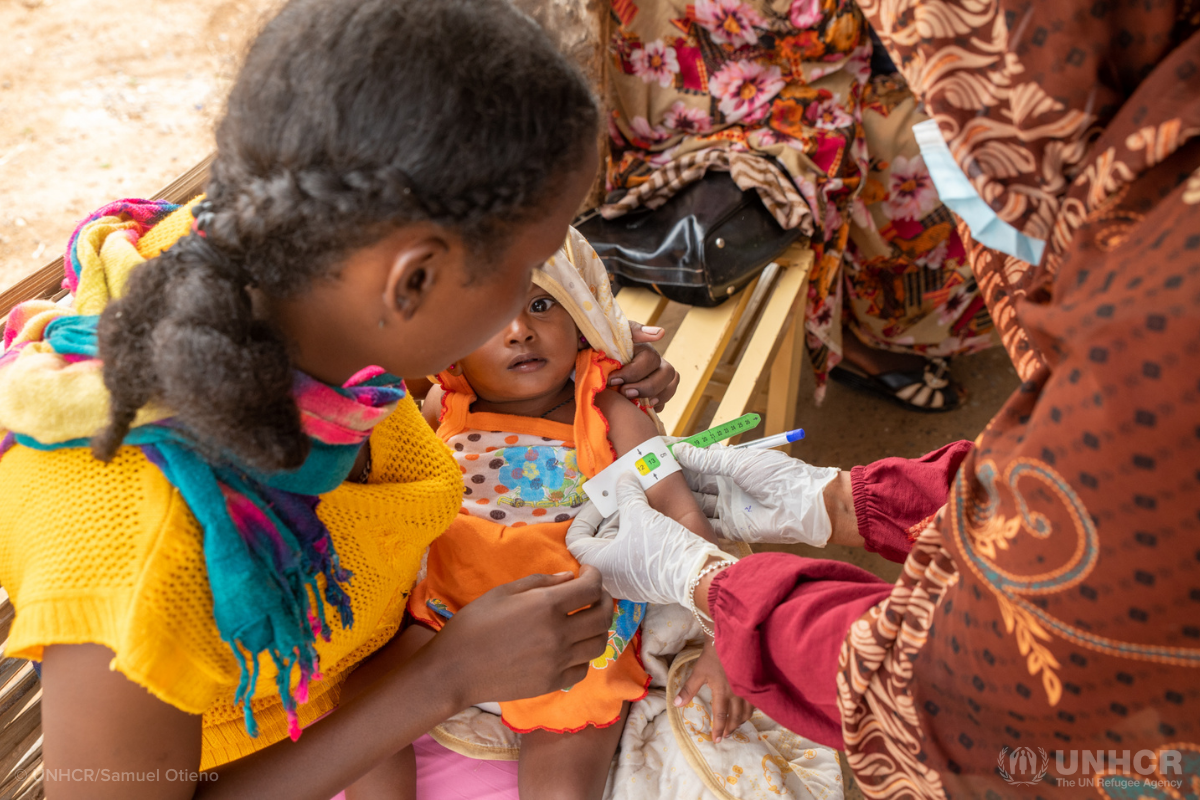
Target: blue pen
x,y
768,442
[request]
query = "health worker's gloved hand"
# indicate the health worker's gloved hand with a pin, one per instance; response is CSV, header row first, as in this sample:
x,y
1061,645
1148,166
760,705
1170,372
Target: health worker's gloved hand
x,y
643,555
759,495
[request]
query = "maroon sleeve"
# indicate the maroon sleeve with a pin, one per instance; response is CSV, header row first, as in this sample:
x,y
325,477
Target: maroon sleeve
x,y
895,497
780,621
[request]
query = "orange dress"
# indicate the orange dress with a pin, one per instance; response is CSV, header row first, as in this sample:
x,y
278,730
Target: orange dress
x,y
523,479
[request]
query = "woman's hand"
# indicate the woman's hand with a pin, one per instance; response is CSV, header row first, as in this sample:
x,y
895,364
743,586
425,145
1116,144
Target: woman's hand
x,y
642,554
522,639
647,375
728,710
766,496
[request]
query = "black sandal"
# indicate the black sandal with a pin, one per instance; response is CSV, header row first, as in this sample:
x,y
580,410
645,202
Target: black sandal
x,y
930,391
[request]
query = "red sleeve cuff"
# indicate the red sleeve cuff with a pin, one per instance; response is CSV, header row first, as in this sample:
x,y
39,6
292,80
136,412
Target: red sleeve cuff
x,y
780,621
895,498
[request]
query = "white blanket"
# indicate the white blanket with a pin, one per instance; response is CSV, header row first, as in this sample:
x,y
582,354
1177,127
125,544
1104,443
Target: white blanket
x,y
668,752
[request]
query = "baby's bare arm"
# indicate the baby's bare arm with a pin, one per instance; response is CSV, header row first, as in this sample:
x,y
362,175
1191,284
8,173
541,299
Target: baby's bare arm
x,y
628,427
431,406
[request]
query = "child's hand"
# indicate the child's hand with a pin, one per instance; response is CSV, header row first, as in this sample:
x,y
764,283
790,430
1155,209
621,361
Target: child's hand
x,y
647,375
728,710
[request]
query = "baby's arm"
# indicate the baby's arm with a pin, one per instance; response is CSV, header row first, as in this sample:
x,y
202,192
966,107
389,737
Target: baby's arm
x,y
431,406
628,427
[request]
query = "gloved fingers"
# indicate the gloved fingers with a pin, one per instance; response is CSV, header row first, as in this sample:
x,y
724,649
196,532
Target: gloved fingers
x,y
634,511
631,499
587,521
610,527
699,460
710,504
581,535
700,482
707,503
585,549
746,468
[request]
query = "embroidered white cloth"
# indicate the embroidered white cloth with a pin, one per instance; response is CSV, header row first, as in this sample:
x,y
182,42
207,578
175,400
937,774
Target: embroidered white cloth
x,y
668,752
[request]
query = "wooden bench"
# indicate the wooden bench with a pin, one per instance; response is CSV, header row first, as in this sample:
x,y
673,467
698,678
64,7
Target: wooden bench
x,y
20,720
744,355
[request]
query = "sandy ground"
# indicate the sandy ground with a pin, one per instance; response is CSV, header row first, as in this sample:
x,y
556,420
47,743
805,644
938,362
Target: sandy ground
x,y
102,99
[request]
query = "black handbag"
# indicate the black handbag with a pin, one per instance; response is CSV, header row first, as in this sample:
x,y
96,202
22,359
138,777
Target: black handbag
x,y
701,246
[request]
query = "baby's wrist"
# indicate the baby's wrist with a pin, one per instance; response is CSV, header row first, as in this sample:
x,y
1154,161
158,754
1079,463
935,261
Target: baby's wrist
x,y
700,585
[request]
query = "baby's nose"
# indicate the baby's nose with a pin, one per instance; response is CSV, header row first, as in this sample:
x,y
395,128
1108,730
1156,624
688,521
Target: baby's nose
x,y
520,331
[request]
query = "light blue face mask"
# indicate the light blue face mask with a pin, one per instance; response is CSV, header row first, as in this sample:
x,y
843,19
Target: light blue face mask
x,y
957,192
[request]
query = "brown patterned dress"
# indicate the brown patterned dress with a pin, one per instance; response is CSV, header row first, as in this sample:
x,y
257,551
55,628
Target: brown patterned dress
x,y
1044,638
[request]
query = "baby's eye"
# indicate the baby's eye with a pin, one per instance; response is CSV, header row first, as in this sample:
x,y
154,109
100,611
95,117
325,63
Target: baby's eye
x,y
541,305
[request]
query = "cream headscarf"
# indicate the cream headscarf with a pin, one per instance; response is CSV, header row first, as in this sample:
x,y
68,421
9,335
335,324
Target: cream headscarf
x,y
576,277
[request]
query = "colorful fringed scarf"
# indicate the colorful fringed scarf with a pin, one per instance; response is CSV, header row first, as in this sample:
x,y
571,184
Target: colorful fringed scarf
x,y
264,546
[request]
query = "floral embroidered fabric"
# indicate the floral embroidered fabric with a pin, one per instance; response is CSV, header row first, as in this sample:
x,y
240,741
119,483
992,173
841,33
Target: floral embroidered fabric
x,y
788,84
518,479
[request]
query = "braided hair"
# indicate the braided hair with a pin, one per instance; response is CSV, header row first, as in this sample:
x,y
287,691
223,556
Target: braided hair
x,y
347,120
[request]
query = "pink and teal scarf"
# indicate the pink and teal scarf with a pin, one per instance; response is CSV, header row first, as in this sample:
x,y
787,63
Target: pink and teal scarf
x,y
264,545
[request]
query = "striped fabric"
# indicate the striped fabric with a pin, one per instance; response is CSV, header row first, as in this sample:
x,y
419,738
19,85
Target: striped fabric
x,y
778,192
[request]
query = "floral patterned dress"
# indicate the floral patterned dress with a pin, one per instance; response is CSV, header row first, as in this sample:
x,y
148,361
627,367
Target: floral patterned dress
x,y
781,94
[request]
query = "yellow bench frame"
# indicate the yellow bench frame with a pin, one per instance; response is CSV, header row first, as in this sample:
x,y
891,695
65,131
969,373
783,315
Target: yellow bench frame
x,y
750,345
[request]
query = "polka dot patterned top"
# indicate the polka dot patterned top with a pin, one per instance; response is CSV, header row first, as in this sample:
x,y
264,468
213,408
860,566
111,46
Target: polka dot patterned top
x,y
518,479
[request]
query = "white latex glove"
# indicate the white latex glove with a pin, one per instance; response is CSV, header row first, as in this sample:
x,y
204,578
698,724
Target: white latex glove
x,y
759,495
643,555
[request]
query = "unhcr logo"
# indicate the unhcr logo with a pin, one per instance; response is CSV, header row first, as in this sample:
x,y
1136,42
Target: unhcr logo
x,y
1131,772
1022,767
1134,774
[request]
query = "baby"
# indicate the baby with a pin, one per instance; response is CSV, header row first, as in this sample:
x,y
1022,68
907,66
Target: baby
x,y
530,420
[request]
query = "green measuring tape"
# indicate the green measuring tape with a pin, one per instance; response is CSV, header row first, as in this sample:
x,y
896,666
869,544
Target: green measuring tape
x,y
719,433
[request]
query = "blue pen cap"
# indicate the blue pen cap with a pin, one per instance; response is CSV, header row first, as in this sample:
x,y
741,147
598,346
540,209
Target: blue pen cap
x,y
795,436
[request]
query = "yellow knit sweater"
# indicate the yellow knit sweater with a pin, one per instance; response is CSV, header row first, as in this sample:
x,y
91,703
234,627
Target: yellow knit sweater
x,y
110,554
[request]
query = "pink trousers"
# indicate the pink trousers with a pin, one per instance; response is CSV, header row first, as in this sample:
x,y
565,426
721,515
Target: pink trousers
x,y
445,775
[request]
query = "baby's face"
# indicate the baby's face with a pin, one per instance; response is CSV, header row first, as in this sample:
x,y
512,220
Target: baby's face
x,y
532,357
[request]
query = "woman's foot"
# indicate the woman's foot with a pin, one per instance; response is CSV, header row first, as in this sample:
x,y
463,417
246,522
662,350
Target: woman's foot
x,y
914,382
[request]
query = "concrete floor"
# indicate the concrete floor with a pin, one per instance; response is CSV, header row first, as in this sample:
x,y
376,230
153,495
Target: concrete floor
x,y
852,428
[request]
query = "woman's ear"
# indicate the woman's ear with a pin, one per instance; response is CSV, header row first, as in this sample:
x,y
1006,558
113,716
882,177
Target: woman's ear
x,y
416,268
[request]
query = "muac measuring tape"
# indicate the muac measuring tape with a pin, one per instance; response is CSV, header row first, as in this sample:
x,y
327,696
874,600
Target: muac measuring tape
x,y
652,460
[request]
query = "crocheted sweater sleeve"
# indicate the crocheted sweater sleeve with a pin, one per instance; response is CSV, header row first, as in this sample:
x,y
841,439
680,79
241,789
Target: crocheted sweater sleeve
x,y
110,554
411,470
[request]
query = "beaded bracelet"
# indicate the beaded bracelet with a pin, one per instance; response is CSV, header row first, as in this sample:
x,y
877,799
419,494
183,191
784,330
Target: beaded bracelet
x,y
726,561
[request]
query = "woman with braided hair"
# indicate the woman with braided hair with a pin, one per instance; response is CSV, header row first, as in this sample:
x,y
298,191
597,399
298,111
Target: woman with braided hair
x,y
217,492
